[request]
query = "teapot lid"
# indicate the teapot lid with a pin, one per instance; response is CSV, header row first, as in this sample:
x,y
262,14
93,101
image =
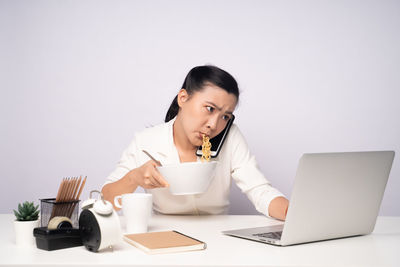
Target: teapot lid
x,y
100,206
103,207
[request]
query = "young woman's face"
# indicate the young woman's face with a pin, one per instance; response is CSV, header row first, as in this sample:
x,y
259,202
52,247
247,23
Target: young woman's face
x,y
205,112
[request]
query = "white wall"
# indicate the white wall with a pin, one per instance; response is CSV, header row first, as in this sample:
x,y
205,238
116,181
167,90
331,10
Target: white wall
x,y
78,78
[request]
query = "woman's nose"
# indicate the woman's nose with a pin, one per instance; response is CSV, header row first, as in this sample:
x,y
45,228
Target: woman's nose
x,y
212,123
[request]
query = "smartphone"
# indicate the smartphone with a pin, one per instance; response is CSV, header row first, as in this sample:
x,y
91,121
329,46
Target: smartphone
x,y
217,141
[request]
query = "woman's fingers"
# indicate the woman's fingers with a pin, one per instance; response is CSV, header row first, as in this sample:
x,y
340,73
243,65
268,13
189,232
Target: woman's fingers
x,y
151,177
149,186
153,181
160,179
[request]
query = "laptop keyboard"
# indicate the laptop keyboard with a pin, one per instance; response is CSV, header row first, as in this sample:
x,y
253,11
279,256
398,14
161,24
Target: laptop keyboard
x,y
271,235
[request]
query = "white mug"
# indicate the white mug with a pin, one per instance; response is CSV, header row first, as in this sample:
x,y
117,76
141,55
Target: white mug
x,y
137,211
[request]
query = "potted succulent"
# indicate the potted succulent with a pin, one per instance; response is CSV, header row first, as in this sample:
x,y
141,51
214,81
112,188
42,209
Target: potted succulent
x,y
27,218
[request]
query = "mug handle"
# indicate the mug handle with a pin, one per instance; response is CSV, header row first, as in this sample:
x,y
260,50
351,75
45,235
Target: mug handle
x,y
116,202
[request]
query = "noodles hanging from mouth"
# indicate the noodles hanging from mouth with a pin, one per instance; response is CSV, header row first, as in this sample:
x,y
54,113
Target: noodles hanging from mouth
x,y
206,149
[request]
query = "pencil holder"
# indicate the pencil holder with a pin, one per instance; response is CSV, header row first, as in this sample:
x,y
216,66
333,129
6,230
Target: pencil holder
x,y
49,208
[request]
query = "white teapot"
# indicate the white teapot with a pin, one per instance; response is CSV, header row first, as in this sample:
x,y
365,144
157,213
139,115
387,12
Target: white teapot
x,y
99,224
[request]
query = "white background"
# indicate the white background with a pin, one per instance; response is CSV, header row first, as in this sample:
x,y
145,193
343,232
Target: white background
x,y
79,78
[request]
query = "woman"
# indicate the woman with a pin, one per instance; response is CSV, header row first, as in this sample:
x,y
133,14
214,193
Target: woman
x,y
204,105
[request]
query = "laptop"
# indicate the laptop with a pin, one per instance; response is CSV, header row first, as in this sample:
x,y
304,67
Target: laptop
x,y
334,195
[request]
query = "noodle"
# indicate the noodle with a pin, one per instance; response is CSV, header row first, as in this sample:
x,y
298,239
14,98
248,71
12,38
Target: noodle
x,y
206,149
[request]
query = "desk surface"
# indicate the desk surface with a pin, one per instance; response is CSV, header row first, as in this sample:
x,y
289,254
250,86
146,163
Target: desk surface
x,y
381,248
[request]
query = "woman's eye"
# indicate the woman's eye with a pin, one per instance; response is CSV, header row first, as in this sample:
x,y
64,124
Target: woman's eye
x,y
225,117
210,109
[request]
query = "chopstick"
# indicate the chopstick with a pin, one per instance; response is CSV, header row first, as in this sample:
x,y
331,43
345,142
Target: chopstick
x,y
150,156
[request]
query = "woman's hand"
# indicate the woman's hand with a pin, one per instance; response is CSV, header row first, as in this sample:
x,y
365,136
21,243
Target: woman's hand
x,y
147,176
278,208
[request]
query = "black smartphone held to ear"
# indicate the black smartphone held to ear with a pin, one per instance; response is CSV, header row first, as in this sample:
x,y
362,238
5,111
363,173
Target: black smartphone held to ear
x,y
217,141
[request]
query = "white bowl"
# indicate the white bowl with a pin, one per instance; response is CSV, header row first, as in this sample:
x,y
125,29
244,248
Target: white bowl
x,y
189,177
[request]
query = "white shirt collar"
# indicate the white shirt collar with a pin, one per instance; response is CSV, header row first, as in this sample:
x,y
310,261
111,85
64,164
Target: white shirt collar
x,y
167,146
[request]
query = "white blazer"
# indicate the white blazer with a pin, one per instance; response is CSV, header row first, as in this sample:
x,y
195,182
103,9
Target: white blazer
x,y
235,161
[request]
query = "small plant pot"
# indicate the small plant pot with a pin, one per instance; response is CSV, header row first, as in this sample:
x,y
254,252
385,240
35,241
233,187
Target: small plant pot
x,y
24,232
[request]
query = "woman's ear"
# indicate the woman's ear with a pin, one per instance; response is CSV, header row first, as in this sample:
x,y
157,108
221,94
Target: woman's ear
x,y
183,97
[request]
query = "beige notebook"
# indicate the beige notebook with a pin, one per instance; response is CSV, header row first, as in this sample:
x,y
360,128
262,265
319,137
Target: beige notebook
x,y
164,242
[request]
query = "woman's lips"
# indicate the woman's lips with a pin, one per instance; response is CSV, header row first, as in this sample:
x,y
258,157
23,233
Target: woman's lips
x,y
201,135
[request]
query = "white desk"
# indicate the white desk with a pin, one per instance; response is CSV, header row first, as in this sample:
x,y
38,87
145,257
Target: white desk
x,y
382,248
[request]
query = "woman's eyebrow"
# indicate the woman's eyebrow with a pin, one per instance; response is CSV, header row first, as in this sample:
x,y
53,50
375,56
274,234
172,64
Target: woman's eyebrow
x,y
211,103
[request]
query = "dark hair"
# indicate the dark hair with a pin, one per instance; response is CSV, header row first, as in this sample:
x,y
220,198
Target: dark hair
x,y
197,78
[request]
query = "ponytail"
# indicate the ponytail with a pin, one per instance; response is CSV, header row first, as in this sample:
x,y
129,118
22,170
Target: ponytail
x,y
173,110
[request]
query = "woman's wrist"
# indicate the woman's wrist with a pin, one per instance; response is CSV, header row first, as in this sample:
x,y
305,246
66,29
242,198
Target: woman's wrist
x,y
131,179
